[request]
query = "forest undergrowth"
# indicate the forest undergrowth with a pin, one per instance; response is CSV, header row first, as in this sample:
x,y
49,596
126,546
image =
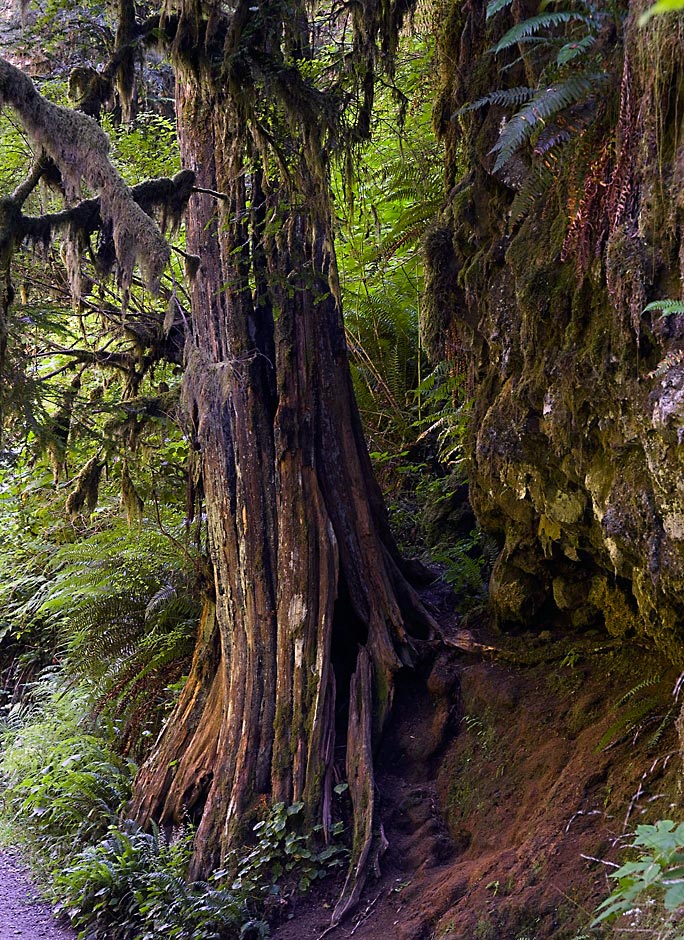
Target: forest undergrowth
x,y
104,570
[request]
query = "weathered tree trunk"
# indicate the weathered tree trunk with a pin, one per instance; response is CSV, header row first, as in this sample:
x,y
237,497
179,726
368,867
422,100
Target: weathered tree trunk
x,y
311,604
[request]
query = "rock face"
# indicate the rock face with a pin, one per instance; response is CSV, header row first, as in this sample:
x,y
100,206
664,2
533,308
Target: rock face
x,y
576,443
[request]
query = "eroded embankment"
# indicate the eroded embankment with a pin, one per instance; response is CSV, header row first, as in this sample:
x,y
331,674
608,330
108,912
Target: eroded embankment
x,y
509,781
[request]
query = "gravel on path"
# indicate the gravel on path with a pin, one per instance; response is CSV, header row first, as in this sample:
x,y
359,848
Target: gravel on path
x,y
23,914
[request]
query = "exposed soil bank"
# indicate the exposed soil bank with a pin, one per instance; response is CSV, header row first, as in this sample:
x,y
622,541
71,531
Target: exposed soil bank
x,y
22,913
509,786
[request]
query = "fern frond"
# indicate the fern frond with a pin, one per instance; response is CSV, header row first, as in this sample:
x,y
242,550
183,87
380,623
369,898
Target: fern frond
x,y
534,187
550,142
639,687
495,6
672,359
533,24
572,50
160,600
506,97
626,723
545,104
665,307
657,735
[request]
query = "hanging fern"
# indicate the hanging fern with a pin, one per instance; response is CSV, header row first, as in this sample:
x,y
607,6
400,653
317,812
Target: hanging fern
x,y
670,361
537,183
495,6
531,26
573,50
546,103
506,97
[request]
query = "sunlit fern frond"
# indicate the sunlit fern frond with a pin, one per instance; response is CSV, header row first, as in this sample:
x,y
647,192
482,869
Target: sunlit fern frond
x,y
665,307
495,6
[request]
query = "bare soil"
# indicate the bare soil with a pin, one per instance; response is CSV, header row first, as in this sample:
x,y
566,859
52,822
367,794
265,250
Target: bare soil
x,y
509,782
23,914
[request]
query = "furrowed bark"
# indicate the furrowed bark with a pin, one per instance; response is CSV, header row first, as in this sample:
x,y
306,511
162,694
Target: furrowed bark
x,y
314,615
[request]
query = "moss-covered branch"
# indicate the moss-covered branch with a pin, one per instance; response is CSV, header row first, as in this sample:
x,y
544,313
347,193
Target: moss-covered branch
x,y
165,198
80,149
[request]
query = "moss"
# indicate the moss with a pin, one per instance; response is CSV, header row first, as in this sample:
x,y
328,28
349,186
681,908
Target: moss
x,y
80,149
619,615
85,493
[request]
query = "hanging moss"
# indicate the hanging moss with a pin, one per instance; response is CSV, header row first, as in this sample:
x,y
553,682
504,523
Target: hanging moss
x,y
80,149
130,498
85,493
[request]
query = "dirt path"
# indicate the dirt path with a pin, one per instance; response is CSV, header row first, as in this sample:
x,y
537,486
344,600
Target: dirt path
x,y
23,916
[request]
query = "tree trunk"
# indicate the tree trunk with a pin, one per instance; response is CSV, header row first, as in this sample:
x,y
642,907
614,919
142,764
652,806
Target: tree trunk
x,y
311,603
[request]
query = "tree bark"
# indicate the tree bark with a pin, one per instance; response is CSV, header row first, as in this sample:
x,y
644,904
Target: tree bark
x,y
311,603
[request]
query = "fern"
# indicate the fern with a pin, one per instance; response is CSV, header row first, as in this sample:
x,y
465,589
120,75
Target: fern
x,y
160,600
657,735
573,50
638,688
534,24
665,307
546,103
670,361
635,713
506,97
534,187
495,6
631,720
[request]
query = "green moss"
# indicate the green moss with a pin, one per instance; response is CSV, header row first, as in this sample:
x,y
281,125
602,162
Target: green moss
x,y
620,617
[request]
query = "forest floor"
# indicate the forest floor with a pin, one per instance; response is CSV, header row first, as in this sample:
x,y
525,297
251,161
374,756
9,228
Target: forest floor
x,y
510,781
23,914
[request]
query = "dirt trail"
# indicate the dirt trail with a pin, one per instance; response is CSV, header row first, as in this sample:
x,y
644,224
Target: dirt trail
x,y
22,913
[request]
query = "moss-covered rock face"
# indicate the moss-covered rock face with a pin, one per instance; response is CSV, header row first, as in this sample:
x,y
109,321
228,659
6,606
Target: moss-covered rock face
x,y
578,428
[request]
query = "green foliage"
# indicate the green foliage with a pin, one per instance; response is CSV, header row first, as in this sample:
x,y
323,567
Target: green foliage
x,y
282,850
506,97
146,149
444,413
636,713
465,562
132,885
656,877
662,6
62,783
545,104
561,103
665,307
127,612
381,220
530,27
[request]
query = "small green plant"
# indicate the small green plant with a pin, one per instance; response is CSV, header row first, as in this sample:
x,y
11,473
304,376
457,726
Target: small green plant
x,y
132,885
562,48
282,851
638,711
654,881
